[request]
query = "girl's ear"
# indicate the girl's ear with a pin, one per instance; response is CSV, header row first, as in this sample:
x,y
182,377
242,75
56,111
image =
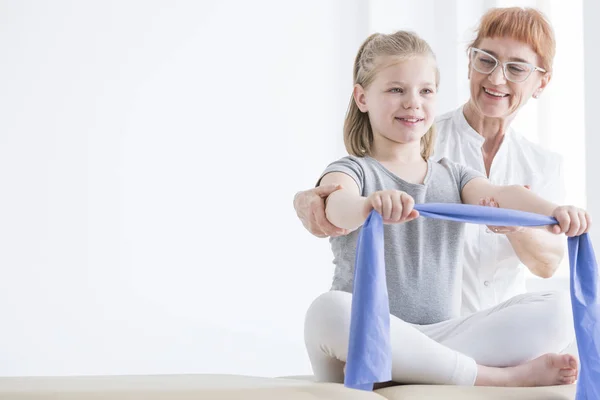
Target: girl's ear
x,y
360,97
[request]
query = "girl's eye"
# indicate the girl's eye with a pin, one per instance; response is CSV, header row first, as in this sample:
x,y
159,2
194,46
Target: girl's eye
x,y
396,90
427,91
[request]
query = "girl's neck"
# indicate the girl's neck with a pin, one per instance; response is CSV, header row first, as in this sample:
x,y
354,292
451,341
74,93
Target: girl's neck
x,y
403,160
397,153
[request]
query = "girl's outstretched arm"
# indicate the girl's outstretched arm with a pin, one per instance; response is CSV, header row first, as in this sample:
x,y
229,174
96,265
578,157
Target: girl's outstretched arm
x,y
344,208
347,209
540,250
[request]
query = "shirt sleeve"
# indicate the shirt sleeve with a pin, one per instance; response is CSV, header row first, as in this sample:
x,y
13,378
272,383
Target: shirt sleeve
x,y
466,174
461,173
349,166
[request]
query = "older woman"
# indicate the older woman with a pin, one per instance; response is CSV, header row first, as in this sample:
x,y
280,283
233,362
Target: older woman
x,y
510,62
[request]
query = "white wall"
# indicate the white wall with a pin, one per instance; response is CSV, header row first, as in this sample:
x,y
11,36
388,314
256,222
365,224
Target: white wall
x,y
591,16
149,153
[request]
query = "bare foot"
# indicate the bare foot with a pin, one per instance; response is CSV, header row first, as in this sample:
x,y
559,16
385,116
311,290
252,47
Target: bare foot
x,y
547,370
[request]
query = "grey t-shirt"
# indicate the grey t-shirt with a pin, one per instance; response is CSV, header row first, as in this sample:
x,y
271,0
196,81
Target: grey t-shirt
x,y
423,256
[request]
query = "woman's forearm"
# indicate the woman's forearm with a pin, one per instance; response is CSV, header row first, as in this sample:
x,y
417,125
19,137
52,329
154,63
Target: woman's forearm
x,y
539,250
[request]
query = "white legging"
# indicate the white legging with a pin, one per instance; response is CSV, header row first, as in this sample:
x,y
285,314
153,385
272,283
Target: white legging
x,y
511,333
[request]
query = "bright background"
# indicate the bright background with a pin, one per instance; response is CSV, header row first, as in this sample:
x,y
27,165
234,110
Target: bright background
x,y
150,151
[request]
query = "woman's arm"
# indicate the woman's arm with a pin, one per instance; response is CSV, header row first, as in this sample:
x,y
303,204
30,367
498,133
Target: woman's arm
x,y
540,250
310,209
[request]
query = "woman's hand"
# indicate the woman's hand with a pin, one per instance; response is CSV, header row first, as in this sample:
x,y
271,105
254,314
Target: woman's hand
x,y
310,208
490,202
572,221
394,206
503,230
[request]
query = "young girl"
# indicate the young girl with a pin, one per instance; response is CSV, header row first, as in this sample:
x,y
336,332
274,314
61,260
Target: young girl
x,y
389,133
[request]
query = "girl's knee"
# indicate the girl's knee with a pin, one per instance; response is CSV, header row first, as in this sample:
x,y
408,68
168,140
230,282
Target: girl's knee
x,y
329,314
556,316
326,334
557,306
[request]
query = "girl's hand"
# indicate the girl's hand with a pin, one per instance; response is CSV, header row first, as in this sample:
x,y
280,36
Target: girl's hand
x,y
572,221
394,206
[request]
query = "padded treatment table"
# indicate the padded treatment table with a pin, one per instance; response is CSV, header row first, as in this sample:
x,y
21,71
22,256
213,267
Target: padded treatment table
x,y
230,387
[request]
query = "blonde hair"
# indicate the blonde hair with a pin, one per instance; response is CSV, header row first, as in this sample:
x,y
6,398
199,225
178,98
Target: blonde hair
x,y
358,133
526,25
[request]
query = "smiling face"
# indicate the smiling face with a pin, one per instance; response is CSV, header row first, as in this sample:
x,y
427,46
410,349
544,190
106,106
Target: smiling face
x,y
492,94
401,100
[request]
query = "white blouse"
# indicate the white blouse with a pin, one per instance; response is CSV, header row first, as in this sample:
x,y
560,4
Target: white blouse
x,y
492,272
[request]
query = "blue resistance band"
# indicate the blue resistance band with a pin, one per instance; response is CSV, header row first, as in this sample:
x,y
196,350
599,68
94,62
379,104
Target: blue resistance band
x,y
369,350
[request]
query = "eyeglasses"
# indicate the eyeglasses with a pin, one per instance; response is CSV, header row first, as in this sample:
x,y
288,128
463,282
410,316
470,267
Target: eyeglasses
x,y
514,71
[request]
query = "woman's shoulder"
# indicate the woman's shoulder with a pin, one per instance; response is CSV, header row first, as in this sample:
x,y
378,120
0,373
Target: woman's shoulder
x,y
533,152
444,123
448,127
446,117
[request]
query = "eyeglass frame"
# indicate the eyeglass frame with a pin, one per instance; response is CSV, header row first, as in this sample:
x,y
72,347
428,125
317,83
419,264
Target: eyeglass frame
x,y
504,63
